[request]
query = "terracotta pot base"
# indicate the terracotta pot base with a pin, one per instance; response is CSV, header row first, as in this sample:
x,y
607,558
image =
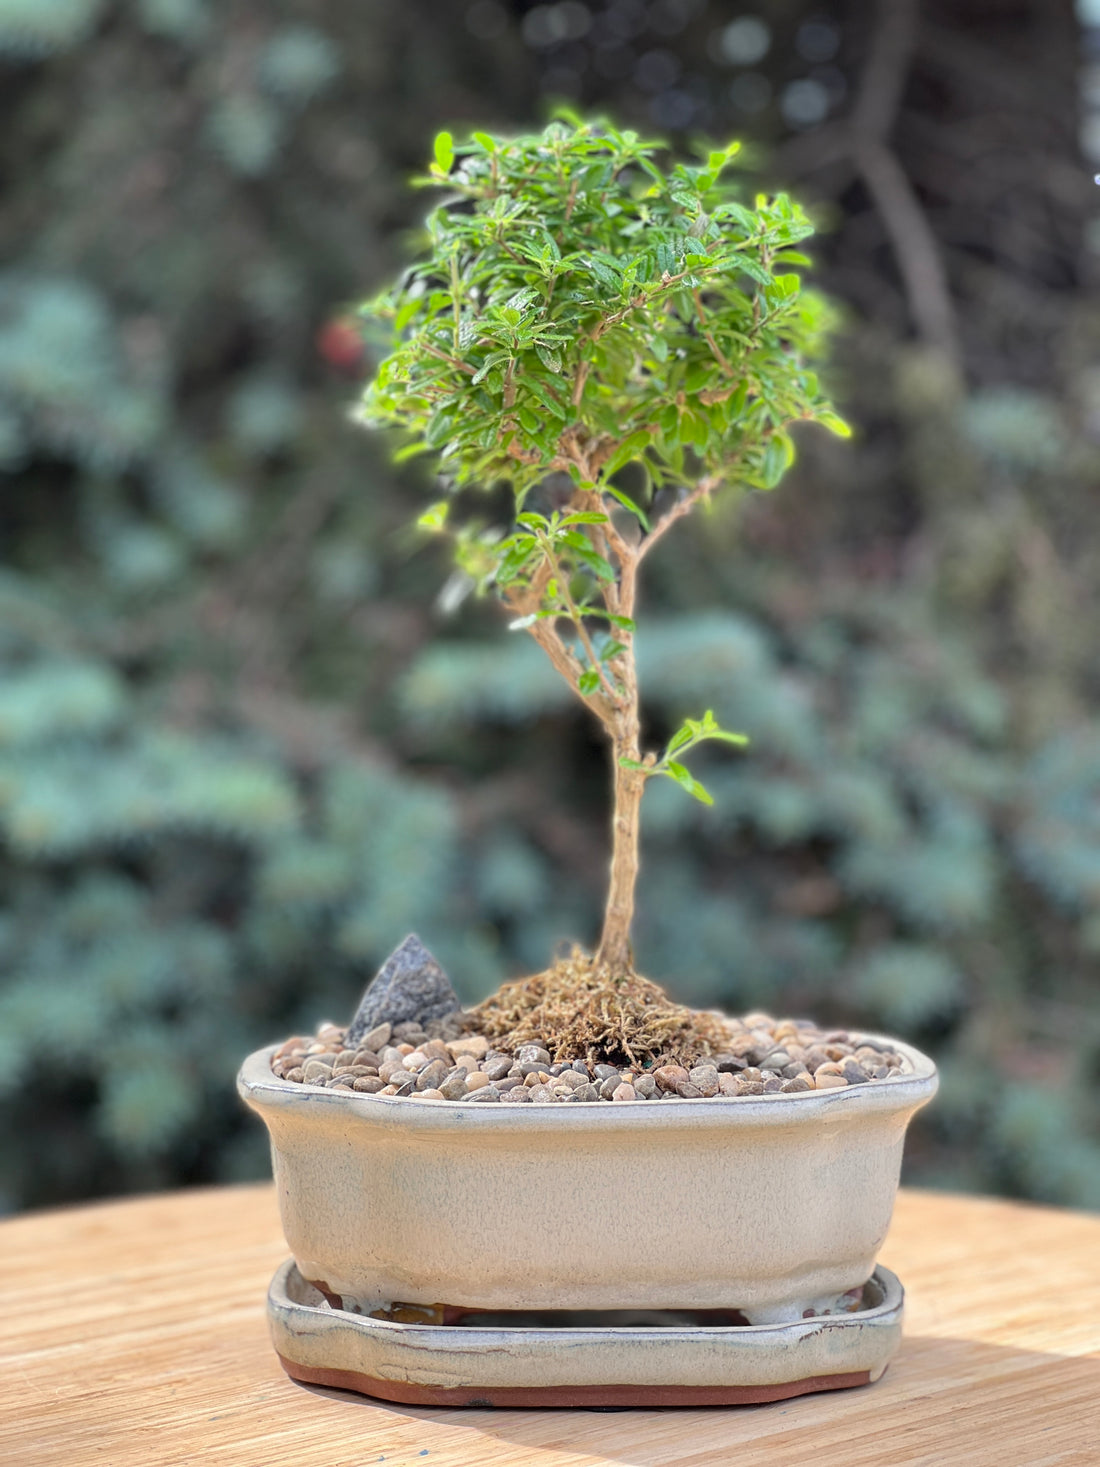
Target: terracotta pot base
x,y
528,1366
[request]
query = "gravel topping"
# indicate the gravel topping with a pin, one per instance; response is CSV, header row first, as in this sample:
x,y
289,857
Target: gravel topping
x,y
439,1060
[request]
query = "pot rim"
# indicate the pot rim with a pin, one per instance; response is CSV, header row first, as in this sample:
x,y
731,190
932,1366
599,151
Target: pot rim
x,y
263,1090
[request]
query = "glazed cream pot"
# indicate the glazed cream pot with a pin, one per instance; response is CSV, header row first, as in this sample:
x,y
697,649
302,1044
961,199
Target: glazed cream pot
x,y
772,1204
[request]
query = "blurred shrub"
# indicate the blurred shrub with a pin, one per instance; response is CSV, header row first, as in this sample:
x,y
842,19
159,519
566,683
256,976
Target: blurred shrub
x,y
237,763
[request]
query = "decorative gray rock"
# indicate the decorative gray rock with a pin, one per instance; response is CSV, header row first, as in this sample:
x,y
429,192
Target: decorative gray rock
x,y
410,985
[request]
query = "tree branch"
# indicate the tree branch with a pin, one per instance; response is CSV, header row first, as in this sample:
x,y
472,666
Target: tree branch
x,y
702,490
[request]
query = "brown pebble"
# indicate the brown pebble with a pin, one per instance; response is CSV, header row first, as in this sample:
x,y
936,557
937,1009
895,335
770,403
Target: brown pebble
x,y
496,1069
829,1081
367,1084
297,1075
624,1092
798,1084
750,1087
428,1094
472,1044
687,1091
299,1042
669,1077
431,1076
378,1038
339,1085
727,1085
476,1080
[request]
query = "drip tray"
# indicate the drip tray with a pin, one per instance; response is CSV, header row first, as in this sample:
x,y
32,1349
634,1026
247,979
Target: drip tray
x,y
575,1358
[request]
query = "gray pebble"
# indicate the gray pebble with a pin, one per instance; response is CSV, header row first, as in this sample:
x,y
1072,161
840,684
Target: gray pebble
x,y
431,1076
540,1094
517,1095
533,1054
453,1087
487,1092
606,1072
610,1085
705,1079
646,1086
728,1064
587,1091
496,1069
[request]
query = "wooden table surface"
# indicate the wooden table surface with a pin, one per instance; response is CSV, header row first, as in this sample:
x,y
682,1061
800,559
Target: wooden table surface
x,y
132,1334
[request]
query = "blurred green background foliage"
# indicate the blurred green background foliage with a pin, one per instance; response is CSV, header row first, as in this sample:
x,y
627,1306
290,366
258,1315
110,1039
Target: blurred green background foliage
x,y
244,746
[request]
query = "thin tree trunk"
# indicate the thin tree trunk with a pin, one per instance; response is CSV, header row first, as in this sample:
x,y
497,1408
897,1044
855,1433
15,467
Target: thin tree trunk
x,y
614,953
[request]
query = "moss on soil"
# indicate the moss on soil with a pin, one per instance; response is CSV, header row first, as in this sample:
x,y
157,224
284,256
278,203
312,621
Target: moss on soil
x,y
578,1011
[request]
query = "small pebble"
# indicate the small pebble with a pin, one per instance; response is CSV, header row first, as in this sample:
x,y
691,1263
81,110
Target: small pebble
x,y
623,1092
473,1044
645,1086
668,1077
533,1054
705,1079
377,1038
517,1095
540,1094
432,1075
484,1092
477,1080
368,1084
829,1081
428,1095
454,1086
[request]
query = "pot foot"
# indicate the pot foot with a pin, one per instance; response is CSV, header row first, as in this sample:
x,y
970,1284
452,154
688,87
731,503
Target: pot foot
x,y
531,1360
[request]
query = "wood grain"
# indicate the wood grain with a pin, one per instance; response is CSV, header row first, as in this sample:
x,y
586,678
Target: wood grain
x,y
132,1334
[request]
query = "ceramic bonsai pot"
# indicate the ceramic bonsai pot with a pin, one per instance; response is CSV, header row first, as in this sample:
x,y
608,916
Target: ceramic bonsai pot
x,y
774,1206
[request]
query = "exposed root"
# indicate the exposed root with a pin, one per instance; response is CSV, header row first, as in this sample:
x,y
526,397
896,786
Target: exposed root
x,y
578,1011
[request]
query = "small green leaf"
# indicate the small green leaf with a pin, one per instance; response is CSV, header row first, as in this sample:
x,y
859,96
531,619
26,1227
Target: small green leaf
x,y
434,517
629,504
834,422
588,682
444,151
686,780
585,517
631,764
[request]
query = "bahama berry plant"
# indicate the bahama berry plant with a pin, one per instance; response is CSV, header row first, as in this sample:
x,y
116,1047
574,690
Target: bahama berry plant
x,y
617,342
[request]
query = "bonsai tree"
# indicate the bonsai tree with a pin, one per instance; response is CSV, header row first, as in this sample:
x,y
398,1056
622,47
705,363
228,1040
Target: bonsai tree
x,y
617,343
